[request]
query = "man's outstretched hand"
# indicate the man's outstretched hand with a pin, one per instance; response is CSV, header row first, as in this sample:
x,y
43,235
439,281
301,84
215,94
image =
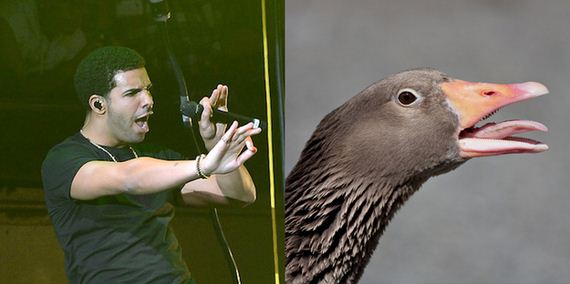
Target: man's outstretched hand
x,y
226,155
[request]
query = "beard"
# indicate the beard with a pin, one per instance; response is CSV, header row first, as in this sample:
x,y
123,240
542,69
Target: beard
x,y
123,128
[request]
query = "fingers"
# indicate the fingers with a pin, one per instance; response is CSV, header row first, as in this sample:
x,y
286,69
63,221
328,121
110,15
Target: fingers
x,y
217,100
236,138
219,97
243,157
249,145
215,96
207,112
229,135
245,131
223,98
248,153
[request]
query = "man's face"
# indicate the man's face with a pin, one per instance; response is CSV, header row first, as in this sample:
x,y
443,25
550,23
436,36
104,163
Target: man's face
x,y
129,107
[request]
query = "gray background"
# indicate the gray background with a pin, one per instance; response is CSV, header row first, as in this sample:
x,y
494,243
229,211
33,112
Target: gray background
x,y
494,220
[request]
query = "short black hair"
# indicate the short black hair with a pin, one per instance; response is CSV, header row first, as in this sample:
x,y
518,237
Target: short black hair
x,y
95,73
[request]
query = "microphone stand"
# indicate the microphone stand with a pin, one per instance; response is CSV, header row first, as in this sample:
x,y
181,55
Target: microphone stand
x,y
161,13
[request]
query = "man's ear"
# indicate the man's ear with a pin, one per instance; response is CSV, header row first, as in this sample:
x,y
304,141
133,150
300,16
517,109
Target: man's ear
x,y
97,104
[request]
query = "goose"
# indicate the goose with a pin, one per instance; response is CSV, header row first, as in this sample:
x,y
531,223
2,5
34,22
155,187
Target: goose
x,y
368,156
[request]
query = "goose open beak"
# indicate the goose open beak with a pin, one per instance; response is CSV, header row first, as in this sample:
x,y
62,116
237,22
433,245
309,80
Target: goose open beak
x,y
474,102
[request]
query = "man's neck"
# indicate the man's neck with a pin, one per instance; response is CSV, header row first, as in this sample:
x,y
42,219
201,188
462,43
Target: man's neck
x,y
96,132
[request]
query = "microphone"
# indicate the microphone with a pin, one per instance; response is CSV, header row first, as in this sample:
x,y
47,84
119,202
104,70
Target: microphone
x,y
159,10
194,110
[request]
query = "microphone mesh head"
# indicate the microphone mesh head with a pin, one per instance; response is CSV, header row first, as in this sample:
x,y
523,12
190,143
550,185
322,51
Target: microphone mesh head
x,y
191,109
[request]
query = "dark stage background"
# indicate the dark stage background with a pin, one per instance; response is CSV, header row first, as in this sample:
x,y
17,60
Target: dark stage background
x,y
215,42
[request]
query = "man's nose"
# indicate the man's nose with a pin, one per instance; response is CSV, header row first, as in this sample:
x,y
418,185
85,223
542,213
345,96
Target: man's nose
x,y
147,100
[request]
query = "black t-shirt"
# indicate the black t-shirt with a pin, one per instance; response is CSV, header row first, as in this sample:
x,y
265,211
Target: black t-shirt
x,y
114,239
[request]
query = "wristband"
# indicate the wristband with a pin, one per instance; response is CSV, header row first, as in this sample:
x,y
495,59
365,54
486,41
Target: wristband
x,y
198,169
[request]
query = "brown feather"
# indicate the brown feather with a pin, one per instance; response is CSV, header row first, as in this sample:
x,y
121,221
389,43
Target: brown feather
x,y
363,161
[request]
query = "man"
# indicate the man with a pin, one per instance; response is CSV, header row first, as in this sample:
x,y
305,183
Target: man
x,y
108,194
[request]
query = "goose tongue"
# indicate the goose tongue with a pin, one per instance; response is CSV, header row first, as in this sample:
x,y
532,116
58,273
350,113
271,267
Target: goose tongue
x,y
475,101
504,129
496,139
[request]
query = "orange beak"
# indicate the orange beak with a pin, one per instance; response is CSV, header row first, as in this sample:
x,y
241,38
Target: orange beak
x,y
476,101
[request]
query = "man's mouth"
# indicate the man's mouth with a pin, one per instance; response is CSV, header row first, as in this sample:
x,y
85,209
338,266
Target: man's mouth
x,y
475,102
142,121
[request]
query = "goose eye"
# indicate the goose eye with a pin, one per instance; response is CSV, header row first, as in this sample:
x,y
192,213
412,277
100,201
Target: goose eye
x,y
406,98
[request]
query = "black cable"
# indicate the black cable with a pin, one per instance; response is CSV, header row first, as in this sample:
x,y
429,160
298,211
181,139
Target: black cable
x,y
222,236
161,14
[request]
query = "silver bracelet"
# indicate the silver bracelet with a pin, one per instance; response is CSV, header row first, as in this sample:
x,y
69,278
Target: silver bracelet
x,y
198,170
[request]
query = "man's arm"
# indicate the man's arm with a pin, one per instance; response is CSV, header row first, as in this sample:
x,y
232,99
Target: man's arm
x,y
138,176
148,175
